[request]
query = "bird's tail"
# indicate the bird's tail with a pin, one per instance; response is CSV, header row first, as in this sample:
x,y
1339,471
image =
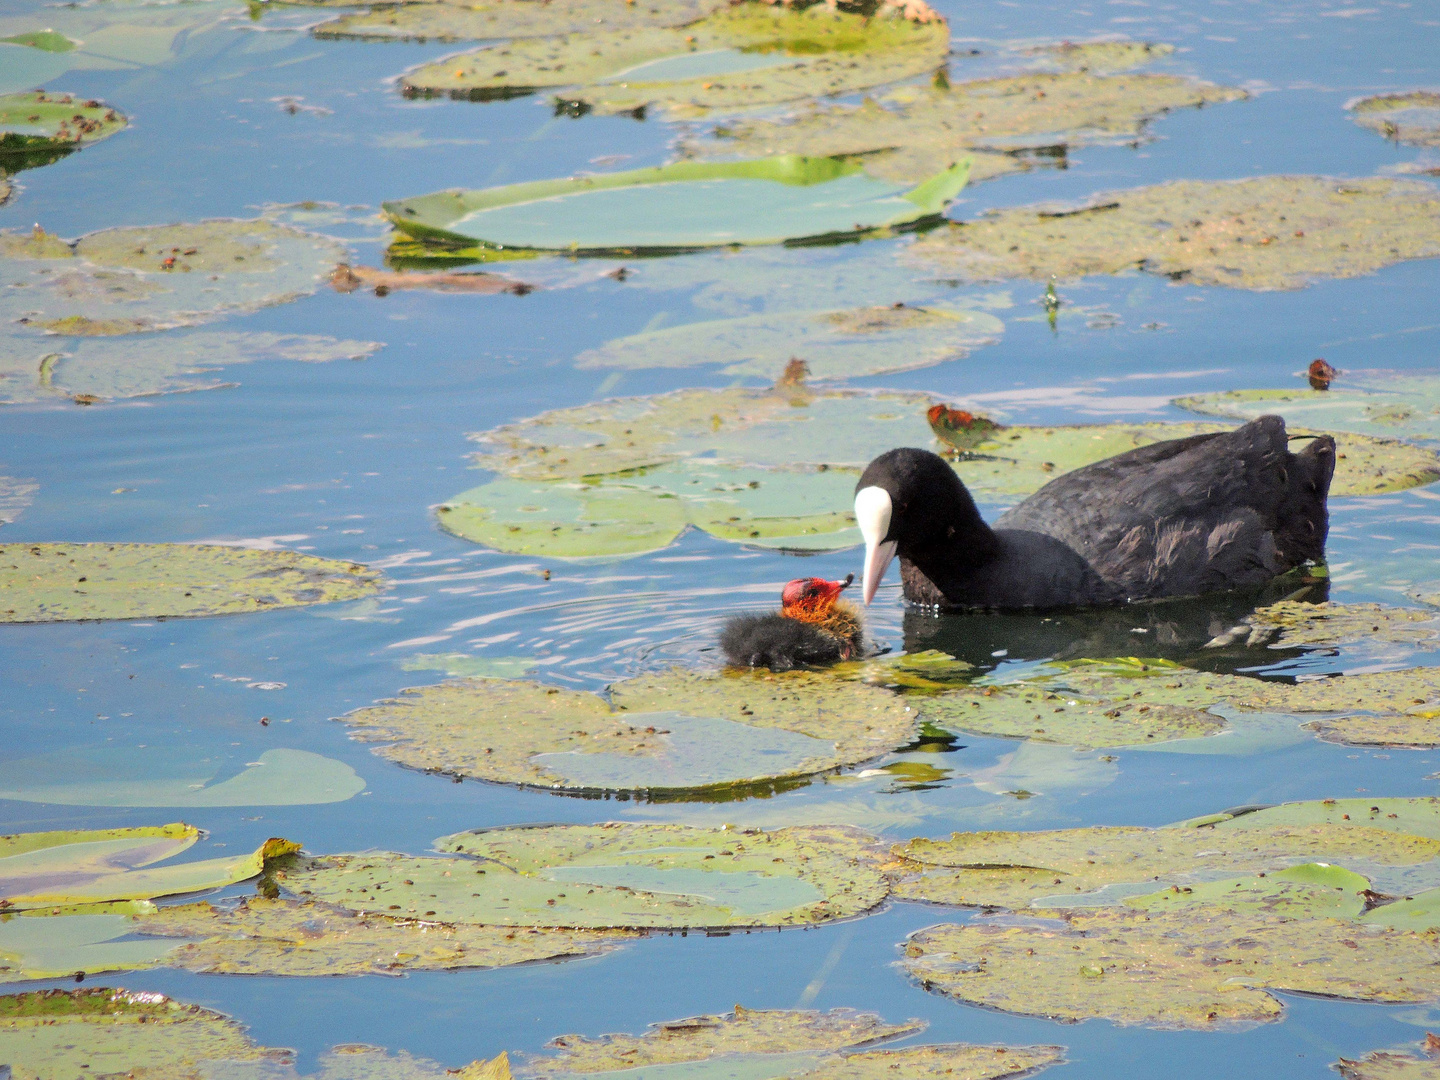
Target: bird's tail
x,y
1303,520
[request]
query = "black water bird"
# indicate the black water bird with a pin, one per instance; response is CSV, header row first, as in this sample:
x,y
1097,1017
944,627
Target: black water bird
x,y
813,628
1185,517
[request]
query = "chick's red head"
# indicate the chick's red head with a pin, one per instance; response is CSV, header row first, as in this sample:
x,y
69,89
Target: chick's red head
x,y
811,598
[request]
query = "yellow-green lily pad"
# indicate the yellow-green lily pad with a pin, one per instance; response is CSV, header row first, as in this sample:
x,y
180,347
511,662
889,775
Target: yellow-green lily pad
x,y
1292,622
484,20
1399,1064
139,278
667,733
1101,55
1416,817
1412,117
57,582
36,128
1269,232
740,56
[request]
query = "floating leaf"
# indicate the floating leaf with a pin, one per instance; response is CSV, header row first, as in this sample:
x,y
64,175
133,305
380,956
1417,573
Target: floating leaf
x,y
1387,404
39,945
1307,891
1105,55
49,582
111,36
1393,1064
683,206
672,732
110,778
1409,118
95,369
1296,623
740,56
835,344
1270,232
36,128
492,19
138,278
914,132
15,496
465,666
1417,817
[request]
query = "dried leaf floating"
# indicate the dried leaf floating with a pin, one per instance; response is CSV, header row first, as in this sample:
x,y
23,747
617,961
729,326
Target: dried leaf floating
x,y
1271,232
49,582
1408,118
668,733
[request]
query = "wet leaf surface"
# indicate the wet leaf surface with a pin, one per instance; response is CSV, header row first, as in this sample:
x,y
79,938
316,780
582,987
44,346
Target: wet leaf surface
x,y
139,278
34,124
445,21
739,57
49,582
1270,232
1294,623
668,732
1408,118
914,132
1400,1064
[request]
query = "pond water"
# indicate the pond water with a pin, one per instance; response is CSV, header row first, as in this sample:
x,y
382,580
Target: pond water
x,y
243,112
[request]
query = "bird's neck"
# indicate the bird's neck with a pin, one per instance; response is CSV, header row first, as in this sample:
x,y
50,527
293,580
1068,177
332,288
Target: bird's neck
x,y
958,539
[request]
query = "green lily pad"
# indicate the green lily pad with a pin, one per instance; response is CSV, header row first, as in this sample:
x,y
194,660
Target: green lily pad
x,y
929,669
1416,817
913,132
494,19
1198,966
1103,55
36,128
1408,118
49,582
738,57
465,666
133,279
1393,1064
108,778
1065,868
89,370
1307,891
38,945
684,206
68,868
670,732
1294,623
1385,404
110,36
835,344
1269,232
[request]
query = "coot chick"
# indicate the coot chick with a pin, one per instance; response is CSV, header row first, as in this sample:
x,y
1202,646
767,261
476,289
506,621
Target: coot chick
x,y
1179,518
813,628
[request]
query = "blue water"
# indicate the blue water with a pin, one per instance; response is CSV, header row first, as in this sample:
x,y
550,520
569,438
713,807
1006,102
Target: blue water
x,y
346,459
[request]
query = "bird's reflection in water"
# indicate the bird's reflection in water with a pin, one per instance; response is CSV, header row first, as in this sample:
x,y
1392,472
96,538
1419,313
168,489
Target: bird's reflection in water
x,y
1207,633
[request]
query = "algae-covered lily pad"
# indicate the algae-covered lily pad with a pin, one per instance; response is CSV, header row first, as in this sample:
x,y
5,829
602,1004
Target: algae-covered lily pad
x,y
50,582
835,344
683,206
1292,622
481,20
913,132
68,868
1399,1064
137,278
614,876
740,56
1385,404
36,127
1270,232
671,732
1409,118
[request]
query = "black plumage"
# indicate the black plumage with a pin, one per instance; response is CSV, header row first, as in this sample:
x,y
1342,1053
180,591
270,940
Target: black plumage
x,y
777,642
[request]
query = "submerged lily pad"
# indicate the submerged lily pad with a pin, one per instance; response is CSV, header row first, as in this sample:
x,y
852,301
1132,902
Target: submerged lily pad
x,y
740,56
483,20
36,128
1270,232
1400,1064
684,206
914,132
1386,404
15,496
91,370
835,344
671,732
139,278
1409,118
50,582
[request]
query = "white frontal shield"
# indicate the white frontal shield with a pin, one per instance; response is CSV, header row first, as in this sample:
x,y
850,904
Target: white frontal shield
x,y
872,514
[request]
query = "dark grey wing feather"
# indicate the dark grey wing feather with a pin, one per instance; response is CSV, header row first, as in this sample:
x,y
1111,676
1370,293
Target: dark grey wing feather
x,y
776,642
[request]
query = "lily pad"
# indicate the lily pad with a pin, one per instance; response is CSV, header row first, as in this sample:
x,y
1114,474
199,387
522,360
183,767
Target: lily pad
x,y
913,132
1198,966
740,56
672,732
49,582
92,370
1393,1064
835,344
1101,55
109,36
1270,232
133,279
109,778
68,868
36,128
1386,404
15,496
1409,118
485,20
465,666
1295,623
1416,817
684,206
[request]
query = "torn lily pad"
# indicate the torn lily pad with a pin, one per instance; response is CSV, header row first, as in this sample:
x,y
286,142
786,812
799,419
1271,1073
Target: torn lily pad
x,y
835,344
89,370
50,582
139,278
1384,404
1412,118
37,128
678,207
913,132
1270,232
740,56
1399,1064
1294,623
493,19
664,733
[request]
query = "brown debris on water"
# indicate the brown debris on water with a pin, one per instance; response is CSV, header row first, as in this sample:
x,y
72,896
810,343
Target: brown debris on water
x,y
347,279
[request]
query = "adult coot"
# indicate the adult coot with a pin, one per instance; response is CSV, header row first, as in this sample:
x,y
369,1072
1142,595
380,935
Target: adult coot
x,y
1177,518
813,628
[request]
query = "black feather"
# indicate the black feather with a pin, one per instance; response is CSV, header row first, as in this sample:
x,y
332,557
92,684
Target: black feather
x,y
777,642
